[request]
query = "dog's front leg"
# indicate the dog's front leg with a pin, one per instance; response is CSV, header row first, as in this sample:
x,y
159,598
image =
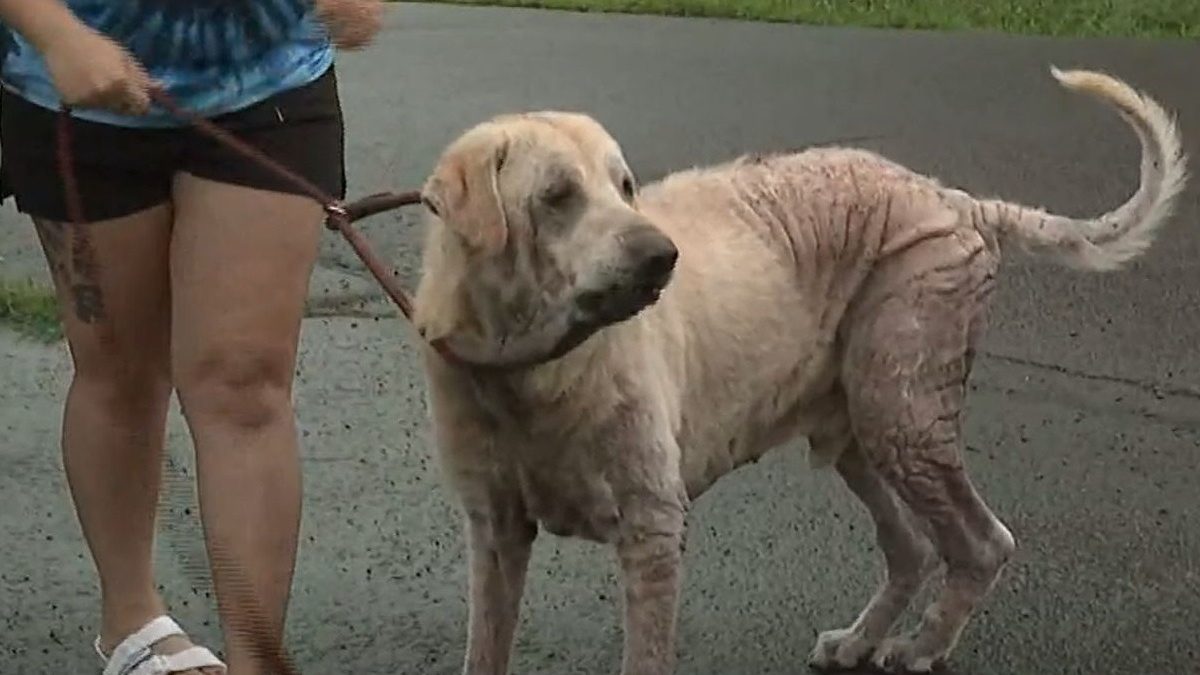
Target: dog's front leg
x,y
652,570
499,550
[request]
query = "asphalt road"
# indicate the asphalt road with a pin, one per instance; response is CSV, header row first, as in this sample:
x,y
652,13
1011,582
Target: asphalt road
x,y
1083,429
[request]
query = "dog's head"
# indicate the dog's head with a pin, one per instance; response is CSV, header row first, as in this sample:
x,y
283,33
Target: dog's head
x,y
536,241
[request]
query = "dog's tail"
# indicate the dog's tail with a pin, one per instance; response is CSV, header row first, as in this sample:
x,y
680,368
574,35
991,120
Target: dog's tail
x,y
1109,241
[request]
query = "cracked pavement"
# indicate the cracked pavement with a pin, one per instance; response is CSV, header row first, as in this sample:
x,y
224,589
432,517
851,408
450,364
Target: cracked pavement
x,y
1083,427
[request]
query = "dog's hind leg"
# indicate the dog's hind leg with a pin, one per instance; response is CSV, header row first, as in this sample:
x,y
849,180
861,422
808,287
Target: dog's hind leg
x,y
909,555
908,354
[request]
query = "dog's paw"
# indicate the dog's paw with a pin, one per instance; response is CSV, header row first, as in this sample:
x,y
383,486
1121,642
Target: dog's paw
x,y
903,655
841,649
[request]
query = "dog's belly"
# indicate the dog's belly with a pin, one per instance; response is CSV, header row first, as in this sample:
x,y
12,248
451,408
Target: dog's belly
x,y
771,412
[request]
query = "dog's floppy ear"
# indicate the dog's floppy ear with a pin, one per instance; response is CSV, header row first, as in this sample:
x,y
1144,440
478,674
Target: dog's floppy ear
x,y
464,192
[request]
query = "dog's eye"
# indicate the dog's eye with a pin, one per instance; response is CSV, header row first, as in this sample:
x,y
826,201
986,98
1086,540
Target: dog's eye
x,y
628,189
559,193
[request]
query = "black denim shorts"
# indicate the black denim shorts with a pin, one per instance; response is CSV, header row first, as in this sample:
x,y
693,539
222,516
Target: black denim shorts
x,y
122,170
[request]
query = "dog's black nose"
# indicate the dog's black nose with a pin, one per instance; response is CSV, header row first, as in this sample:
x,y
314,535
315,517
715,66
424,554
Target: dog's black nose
x,y
654,255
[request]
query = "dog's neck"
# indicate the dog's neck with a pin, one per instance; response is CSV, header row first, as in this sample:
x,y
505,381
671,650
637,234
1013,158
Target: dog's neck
x,y
524,400
589,365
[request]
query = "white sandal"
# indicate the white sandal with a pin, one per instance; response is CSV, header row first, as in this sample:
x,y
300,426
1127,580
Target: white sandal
x,y
134,655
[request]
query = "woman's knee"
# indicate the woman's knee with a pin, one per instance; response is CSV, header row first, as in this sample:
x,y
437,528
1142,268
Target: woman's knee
x,y
126,378
241,385
124,395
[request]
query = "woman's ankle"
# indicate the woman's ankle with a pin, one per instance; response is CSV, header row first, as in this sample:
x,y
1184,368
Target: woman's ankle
x,y
125,615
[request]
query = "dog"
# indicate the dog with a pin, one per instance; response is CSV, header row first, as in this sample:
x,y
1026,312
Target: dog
x,y
599,354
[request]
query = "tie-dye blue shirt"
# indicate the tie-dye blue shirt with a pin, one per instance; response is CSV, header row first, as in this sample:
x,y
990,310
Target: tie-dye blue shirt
x,y
213,56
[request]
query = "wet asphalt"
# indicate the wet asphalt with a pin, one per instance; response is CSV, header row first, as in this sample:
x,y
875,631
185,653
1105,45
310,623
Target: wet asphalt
x,y
1083,428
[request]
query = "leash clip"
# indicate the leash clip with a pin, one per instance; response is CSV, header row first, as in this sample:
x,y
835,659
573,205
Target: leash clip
x,y
336,213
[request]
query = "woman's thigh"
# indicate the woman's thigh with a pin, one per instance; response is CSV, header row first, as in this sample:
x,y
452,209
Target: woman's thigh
x,y
240,265
244,246
113,289
110,274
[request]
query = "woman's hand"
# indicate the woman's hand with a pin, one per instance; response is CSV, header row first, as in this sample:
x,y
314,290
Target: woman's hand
x,y
352,24
87,68
92,71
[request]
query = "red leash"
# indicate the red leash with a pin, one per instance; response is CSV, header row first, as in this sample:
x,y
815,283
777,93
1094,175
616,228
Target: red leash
x,y
339,216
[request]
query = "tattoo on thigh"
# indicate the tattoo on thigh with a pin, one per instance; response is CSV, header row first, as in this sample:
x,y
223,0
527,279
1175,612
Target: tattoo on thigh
x,y
85,289
71,255
53,240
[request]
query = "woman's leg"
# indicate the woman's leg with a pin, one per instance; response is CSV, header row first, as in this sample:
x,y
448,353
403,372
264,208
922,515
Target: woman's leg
x,y
112,280
242,252
116,316
240,264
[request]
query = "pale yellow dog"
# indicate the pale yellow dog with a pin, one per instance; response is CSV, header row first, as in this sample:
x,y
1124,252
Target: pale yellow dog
x,y
610,352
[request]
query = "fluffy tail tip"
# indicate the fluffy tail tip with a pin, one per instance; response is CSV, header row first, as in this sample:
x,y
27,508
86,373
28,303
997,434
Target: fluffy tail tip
x,y
1083,79
1102,85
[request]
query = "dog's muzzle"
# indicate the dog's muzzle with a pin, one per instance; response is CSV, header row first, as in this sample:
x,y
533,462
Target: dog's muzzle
x,y
650,258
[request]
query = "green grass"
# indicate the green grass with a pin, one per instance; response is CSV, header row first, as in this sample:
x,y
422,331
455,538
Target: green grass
x,y
1126,18
30,309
